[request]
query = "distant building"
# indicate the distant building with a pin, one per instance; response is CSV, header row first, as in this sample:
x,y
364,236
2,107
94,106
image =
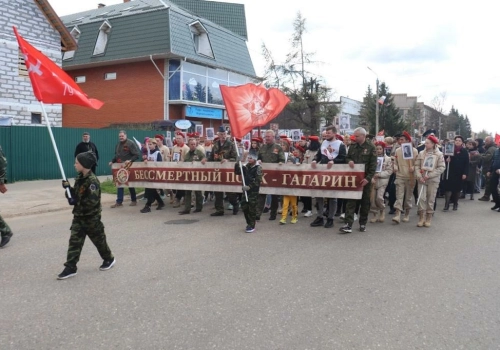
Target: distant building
x,y
420,116
36,22
152,60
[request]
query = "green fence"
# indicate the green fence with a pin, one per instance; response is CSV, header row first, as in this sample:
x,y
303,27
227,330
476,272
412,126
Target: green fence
x,y
30,155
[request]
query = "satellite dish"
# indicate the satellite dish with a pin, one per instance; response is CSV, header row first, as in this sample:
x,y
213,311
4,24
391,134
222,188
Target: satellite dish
x,y
183,124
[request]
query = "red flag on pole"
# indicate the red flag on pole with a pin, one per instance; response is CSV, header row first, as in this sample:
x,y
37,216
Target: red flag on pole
x,y
249,106
50,83
497,138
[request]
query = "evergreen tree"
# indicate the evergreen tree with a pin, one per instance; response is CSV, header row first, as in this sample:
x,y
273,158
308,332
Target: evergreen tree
x,y
390,118
309,98
199,93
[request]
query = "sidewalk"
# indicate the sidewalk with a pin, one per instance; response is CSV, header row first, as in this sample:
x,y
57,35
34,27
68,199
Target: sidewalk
x,y
34,197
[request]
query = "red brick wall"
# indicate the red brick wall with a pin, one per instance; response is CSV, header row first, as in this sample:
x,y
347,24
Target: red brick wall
x,y
135,96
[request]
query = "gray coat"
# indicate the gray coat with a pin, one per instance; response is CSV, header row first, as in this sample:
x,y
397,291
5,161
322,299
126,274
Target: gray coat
x,y
486,158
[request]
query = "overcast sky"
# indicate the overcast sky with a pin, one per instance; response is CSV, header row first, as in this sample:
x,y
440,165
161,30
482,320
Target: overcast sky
x,y
420,48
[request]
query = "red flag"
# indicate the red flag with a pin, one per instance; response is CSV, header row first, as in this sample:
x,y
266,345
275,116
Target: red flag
x,y
381,132
249,106
50,83
497,138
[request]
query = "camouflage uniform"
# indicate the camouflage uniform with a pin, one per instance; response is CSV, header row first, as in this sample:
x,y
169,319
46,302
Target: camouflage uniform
x,y
220,152
361,154
253,178
4,228
270,154
193,156
86,219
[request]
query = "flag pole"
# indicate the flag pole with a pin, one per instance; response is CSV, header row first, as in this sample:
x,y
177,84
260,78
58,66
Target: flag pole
x,y
55,146
421,189
241,166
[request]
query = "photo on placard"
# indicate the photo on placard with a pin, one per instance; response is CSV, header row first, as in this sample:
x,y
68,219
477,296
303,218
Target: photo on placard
x,y
295,135
210,133
450,135
380,164
199,129
176,157
344,123
449,148
407,149
429,162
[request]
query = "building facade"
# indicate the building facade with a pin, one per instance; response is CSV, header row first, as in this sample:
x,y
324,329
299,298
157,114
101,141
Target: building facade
x,y
154,60
36,22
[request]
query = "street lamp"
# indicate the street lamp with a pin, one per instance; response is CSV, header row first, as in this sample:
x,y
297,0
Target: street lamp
x,y
376,103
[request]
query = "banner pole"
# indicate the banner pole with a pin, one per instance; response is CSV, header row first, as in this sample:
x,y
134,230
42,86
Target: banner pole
x,y
54,146
241,166
421,189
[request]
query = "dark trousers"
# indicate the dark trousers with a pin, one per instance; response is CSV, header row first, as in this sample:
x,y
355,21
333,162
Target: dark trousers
x,y
198,200
250,207
494,189
80,228
487,185
307,203
219,200
179,194
274,204
364,208
151,195
4,228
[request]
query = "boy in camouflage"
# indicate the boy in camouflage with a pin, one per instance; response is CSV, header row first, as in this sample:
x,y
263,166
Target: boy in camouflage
x,y
86,198
252,173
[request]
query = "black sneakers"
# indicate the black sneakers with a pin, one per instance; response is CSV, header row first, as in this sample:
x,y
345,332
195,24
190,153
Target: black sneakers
x,y
67,273
362,228
329,223
107,264
5,240
249,229
346,229
146,209
317,222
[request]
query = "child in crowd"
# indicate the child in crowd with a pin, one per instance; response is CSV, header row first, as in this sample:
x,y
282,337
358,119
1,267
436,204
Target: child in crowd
x,y
86,198
252,173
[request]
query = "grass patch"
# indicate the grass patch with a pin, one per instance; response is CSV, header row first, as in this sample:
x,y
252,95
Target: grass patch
x,y
108,186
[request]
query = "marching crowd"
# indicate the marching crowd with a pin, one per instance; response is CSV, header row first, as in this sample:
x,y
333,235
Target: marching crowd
x,y
399,174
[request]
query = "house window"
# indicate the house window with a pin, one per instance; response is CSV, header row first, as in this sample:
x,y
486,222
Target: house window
x,y
21,65
80,79
102,39
36,118
201,40
110,76
75,33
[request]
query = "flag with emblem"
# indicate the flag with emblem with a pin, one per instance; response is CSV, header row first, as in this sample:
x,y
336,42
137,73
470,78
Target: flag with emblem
x,y
249,106
50,83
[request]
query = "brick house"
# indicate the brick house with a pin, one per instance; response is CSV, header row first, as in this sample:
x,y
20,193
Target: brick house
x,y
154,60
41,27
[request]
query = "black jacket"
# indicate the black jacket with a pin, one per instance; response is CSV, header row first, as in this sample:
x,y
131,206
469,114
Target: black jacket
x,y
320,158
85,147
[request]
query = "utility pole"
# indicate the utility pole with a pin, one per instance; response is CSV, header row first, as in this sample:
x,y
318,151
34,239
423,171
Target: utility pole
x,y
376,103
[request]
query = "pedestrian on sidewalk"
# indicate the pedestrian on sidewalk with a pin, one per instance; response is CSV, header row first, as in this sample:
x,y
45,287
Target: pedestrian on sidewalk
x,y
5,230
86,198
126,152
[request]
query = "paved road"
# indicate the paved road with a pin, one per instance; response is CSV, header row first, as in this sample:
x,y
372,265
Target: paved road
x,y
208,285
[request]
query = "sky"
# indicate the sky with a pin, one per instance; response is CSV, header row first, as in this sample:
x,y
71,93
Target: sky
x,y
425,48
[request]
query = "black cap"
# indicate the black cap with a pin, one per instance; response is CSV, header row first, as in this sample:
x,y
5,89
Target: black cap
x,y
397,136
428,132
222,128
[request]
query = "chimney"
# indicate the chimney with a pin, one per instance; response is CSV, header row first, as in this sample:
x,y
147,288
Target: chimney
x,y
100,6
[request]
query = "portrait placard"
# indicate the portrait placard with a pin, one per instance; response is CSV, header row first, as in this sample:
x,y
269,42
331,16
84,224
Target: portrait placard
x,y
449,149
380,164
429,163
199,129
295,135
210,133
407,149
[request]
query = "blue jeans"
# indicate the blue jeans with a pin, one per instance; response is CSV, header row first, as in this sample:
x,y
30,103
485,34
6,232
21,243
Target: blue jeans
x,y
119,195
